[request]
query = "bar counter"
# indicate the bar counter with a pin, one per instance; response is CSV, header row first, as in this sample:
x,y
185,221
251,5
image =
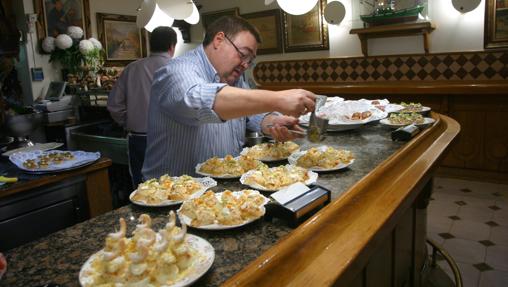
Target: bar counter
x,y
263,253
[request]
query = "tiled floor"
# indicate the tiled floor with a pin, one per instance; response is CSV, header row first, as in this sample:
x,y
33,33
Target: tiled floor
x,y
470,220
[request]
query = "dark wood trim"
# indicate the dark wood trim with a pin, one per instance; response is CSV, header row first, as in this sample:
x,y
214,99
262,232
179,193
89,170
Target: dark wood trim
x,y
409,87
395,30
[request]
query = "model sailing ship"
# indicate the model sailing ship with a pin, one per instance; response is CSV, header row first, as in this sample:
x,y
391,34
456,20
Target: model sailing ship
x,y
385,13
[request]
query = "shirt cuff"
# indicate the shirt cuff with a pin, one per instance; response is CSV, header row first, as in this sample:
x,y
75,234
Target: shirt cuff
x,y
208,94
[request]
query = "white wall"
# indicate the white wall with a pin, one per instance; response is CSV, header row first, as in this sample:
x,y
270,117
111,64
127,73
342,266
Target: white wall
x,y
454,32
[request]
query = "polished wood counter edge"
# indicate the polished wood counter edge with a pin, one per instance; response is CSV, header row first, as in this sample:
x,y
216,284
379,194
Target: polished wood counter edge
x,y
400,87
342,236
55,177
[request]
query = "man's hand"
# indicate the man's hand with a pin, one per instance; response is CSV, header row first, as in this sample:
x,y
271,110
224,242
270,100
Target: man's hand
x,y
279,127
295,102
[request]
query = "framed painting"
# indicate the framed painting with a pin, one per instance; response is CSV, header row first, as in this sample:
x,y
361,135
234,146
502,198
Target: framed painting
x,y
209,17
123,41
307,32
496,24
54,16
268,24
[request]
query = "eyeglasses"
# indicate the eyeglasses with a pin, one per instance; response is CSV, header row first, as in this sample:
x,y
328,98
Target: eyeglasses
x,y
247,59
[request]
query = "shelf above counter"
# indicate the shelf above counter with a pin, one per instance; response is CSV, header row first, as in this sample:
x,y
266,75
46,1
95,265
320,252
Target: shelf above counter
x,y
395,30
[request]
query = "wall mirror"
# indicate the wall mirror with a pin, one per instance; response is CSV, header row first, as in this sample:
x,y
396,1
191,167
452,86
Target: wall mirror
x,y
496,24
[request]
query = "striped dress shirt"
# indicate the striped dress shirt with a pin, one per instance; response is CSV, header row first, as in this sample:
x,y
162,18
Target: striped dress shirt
x,y
183,129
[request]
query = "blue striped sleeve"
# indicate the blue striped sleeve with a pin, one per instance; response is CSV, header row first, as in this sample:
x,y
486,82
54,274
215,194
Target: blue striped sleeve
x,y
185,97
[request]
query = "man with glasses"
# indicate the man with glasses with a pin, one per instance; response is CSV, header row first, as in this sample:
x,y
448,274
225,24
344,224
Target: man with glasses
x,y
201,106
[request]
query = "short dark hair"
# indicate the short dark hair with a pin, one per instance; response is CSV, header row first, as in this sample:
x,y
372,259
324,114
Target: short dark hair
x,y
162,39
231,26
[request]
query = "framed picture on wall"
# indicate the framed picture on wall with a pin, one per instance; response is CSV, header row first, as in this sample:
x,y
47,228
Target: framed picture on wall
x,y
54,16
496,24
269,25
123,41
209,17
307,32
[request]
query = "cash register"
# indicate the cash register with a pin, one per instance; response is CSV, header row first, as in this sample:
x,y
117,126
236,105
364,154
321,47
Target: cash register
x,y
56,104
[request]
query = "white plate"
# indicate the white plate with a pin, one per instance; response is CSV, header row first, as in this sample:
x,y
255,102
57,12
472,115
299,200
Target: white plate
x,y
426,122
423,110
199,268
312,179
81,158
293,158
37,146
206,183
223,176
187,220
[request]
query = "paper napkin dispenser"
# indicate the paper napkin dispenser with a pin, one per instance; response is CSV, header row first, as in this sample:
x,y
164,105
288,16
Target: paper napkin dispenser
x,y
296,206
405,133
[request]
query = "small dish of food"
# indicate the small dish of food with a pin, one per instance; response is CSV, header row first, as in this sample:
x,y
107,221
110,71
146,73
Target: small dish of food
x,y
224,210
322,158
167,191
397,120
167,257
52,161
227,167
271,151
413,108
276,178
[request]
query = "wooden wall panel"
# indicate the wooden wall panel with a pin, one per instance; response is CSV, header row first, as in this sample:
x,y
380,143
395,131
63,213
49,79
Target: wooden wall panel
x,y
378,272
403,248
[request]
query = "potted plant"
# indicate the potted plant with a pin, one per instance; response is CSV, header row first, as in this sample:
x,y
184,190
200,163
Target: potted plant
x,y
76,55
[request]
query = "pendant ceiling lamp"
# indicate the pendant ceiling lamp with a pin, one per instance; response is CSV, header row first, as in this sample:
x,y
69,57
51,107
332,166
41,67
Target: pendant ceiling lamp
x,y
194,17
159,18
297,7
150,16
176,9
145,12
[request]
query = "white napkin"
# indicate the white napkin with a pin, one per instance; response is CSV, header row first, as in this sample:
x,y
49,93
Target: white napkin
x,y
289,193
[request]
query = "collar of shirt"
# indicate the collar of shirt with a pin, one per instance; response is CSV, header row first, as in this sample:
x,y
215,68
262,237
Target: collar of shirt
x,y
160,54
208,65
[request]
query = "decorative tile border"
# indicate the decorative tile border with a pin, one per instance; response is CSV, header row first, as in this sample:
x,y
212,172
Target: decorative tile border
x,y
434,67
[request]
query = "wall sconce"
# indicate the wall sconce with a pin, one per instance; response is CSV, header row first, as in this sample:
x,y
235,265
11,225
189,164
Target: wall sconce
x,y
296,7
335,12
464,6
150,16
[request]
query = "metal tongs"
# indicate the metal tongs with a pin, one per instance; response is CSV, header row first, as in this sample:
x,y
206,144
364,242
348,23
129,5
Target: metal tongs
x,y
317,125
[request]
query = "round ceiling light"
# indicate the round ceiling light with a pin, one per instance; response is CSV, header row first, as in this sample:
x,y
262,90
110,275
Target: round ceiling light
x,y
297,7
159,18
194,17
177,9
145,13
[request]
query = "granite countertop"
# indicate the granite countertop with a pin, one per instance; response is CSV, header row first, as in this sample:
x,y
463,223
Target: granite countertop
x,y
58,257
